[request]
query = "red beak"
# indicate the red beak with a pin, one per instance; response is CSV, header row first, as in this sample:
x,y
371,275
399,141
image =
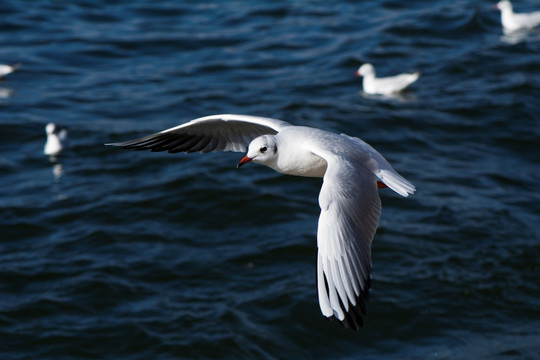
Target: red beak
x,y
357,73
244,160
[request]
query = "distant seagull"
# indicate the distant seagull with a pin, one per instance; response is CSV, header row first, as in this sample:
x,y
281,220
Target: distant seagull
x,y
57,139
7,69
350,206
512,21
387,85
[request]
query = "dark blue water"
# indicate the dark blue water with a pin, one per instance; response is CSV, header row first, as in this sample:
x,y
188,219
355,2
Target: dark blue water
x,y
112,254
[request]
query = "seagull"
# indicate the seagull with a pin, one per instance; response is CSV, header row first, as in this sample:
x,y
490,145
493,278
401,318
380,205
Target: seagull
x,y
57,139
350,205
384,86
512,21
7,69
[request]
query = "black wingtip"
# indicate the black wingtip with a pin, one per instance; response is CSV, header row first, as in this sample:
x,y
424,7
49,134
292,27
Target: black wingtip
x,y
348,323
354,316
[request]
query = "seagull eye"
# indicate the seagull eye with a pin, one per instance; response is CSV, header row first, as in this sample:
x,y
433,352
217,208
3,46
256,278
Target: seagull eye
x,y
263,149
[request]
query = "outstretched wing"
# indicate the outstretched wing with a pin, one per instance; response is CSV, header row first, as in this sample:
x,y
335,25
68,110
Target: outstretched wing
x,y
224,132
350,210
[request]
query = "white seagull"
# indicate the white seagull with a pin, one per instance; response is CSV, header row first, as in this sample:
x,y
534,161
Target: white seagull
x,y
384,86
7,69
512,21
350,206
57,139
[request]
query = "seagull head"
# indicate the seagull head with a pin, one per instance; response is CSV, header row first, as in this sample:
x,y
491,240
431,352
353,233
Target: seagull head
x,y
366,70
51,128
262,150
504,5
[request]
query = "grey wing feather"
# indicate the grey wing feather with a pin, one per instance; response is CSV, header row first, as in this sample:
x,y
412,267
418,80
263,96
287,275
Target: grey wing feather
x,y
350,210
210,133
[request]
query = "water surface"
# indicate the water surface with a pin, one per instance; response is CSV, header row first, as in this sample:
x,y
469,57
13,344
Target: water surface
x,y
113,254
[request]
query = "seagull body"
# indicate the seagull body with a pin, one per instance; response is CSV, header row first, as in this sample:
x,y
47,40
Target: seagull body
x,y
7,69
57,139
387,85
512,21
350,205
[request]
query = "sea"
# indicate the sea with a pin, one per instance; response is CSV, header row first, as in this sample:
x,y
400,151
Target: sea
x,y
107,253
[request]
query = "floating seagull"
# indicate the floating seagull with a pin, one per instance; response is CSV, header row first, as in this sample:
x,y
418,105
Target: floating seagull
x,y
384,86
8,69
57,139
350,205
512,21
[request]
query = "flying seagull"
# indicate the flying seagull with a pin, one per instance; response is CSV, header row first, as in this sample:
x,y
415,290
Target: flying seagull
x,y
350,205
